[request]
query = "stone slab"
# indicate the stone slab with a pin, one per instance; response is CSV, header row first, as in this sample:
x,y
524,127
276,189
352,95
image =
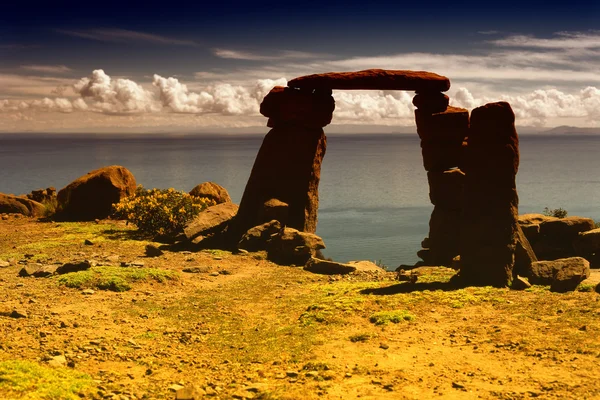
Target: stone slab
x,y
374,79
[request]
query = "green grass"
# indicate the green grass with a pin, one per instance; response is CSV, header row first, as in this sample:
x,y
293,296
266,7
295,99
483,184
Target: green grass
x,y
385,317
116,279
30,380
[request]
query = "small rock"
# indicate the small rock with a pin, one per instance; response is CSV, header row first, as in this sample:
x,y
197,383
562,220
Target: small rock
x,y
137,263
87,291
213,274
73,267
28,270
45,271
384,346
196,270
58,361
88,242
189,393
18,314
4,264
291,374
153,251
175,387
457,385
520,284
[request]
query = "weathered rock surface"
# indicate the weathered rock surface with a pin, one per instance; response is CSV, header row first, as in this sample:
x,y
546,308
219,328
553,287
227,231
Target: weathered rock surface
x,y
533,218
308,108
211,220
287,168
326,267
544,272
20,205
274,209
524,254
93,195
490,208
211,191
433,102
257,238
557,237
292,247
374,79
587,243
570,276
43,195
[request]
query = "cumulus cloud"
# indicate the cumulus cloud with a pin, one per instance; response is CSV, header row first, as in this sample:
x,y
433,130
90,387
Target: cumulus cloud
x,y
373,107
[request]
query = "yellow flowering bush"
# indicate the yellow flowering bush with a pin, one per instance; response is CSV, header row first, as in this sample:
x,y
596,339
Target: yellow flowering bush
x,y
160,211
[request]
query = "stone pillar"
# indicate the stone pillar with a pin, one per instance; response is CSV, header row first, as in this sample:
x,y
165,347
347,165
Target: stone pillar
x,y
288,164
490,205
442,130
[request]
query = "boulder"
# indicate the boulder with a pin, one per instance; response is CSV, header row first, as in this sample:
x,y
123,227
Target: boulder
x,y
374,79
274,209
433,102
524,254
292,247
212,219
211,191
535,219
308,108
10,204
43,195
531,232
92,196
545,272
366,266
326,267
73,267
557,237
489,231
570,276
256,238
587,243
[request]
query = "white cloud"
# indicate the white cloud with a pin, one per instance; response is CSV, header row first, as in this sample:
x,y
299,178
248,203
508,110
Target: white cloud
x,y
250,56
124,35
561,40
51,69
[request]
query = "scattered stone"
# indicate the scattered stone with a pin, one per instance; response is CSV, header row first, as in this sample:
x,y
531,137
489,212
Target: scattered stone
x,y
137,263
292,247
374,79
544,272
196,270
87,292
153,251
457,385
291,374
190,392
45,271
28,270
212,191
58,361
384,346
4,264
570,276
211,220
18,313
520,283
366,266
92,196
325,267
255,239
88,242
73,267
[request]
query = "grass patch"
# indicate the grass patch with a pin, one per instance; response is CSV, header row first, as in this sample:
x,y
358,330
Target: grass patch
x,y
361,337
385,317
29,380
586,287
116,279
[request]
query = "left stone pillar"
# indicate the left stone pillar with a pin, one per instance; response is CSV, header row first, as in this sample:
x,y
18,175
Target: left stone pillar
x,y
288,164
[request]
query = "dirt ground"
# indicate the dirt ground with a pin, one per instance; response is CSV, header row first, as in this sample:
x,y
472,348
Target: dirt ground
x,y
238,326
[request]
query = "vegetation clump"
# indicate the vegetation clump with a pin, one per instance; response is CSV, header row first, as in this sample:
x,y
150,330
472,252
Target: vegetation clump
x,y
116,279
385,317
160,211
555,212
30,380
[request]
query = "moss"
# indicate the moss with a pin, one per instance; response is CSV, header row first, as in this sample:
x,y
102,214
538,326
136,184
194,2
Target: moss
x,y
385,317
29,380
361,337
115,279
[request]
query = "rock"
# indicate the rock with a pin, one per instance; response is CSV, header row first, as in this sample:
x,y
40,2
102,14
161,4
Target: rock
x,y
45,271
544,272
211,220
212,191
256,238
520,284
597,289
92,196
274,209
432,102
73,267
570,275
153,251
374,79
20,205
524,254
175,387
535,219
306,108
58,361
324,267
43,195
292,247
196,270
287,168
557,237
587,244
28,270
366,266
190,392
531,232
88,242
4,264
18,314
490,207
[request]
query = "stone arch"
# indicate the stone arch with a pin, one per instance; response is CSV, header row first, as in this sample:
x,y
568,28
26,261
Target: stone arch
x,y
475,203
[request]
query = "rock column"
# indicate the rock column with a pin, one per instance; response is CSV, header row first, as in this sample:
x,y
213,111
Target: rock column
x,y
442,130
288,164
489,229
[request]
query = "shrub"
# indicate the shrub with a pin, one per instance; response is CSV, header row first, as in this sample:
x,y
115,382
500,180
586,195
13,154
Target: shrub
x,y
384,317
160,211
555,212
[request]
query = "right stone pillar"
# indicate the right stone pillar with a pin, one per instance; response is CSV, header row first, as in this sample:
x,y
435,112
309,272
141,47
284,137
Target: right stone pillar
x,y
489,233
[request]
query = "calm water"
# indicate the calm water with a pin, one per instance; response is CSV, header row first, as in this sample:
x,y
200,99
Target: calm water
x,y
374,195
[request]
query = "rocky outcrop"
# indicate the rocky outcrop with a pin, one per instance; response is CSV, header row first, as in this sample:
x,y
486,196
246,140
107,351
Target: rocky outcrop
x,y
93,195
490,202
587,245
326,267
288,164
43,195
274,209
292,247
374,79
10,204
545,272
211,191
